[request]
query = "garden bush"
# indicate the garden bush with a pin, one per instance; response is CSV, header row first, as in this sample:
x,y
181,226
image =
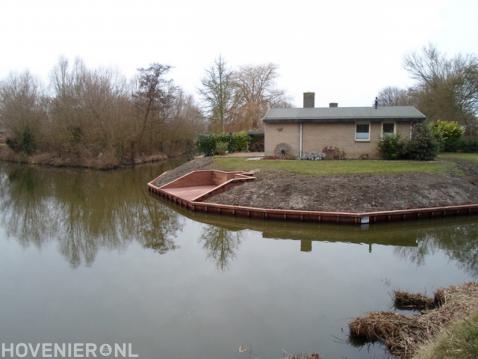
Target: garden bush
x,y
239,142
234,142
423,146
447,134
392,147
221,148
206,144
466,145
223,137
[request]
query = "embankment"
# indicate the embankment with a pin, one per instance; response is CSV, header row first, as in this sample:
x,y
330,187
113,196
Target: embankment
x,y
349,193
105,161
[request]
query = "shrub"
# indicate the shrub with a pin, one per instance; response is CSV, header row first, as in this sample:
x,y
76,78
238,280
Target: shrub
x,y
221,148
235,142
239,142
25,143
423,145
223,137
447,134
206,144
467,145
28,142
12,144
392,147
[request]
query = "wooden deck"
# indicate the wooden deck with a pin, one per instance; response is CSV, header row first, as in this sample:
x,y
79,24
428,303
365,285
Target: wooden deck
x,y
189,193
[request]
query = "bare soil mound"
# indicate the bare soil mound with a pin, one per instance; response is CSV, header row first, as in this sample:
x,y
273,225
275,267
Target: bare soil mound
x,y
352,193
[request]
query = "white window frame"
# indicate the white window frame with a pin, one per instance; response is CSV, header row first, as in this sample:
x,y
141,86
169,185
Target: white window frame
x,y
355,131
389,122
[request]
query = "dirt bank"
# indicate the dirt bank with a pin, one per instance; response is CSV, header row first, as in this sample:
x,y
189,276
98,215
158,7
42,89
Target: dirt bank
x,y
355,193
196,164
101,162
351,192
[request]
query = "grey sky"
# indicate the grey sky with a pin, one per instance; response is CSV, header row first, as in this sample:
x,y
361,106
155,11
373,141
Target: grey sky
x,y
345,51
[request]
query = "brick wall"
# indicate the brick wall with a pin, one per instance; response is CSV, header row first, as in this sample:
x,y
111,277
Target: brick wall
x,y
275,134
317,136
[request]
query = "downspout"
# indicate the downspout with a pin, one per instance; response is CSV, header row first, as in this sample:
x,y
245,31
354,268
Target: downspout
x,y
301,140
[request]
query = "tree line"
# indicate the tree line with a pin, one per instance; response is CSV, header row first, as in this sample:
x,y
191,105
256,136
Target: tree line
x,y
97,113
88,113
446,87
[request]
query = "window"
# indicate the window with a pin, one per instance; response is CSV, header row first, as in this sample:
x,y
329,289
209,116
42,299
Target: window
x,y
388,128
362,132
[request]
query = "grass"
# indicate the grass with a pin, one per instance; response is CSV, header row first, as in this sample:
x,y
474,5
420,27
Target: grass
x,y
322,168
460,341
459,156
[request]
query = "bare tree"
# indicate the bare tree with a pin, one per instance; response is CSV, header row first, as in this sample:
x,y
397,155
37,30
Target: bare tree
x,y
88,109
22,110
254,91
447,88
394,96
153,98
216,92
94,117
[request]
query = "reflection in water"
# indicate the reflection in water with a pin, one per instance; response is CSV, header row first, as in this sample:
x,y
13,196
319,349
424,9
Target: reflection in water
x,y
84,210
221,245
314,277
415,240
459,242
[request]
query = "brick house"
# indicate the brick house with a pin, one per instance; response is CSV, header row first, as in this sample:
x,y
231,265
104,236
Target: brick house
x,y
354,130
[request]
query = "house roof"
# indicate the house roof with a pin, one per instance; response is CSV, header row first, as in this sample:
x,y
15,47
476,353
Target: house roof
x,y
343,114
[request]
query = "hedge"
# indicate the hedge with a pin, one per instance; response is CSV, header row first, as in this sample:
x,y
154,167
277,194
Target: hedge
x,y
211,144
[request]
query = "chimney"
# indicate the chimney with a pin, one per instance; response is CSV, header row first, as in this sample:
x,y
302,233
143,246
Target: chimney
x,y
309,99
333,104
376,102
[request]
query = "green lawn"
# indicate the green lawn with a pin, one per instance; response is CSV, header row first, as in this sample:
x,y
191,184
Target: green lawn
x,y
460,341
320,168
459,156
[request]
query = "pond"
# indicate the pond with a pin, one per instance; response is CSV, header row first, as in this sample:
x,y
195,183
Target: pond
x,y
88,256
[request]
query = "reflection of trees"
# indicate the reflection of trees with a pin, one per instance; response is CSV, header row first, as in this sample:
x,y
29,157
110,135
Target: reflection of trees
x,y
221,245
84,210
458,241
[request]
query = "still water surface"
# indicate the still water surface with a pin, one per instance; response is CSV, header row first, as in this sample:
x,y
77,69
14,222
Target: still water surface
x,y
92,256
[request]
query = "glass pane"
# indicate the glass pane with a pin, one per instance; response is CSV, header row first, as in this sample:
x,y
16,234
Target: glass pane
x,y
361,131
388,128
361,135
362,128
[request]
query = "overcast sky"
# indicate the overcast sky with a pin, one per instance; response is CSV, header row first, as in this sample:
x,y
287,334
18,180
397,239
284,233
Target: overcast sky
x,y
345,51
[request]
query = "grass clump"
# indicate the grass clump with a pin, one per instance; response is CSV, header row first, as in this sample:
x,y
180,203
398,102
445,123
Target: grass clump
x,y
460,341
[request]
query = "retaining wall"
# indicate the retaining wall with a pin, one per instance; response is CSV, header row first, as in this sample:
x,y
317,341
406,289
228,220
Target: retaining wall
x,y
230,179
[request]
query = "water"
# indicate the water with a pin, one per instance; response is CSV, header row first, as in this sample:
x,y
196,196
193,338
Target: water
x,y
92,256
